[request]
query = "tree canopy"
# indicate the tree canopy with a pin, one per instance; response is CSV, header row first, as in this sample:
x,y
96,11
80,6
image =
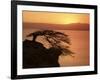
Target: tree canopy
x,y
55,39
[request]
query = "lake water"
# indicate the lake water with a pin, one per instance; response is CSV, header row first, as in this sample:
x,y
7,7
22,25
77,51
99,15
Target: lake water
x,y
79,45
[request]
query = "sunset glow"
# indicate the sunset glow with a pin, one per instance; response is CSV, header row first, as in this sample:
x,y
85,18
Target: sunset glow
x,y
75,25
54,18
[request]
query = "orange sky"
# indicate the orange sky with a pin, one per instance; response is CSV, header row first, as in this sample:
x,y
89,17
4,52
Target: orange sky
x,y
54,18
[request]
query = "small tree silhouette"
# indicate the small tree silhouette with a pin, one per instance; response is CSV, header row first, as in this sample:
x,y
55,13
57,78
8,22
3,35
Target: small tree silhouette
x,y
55,39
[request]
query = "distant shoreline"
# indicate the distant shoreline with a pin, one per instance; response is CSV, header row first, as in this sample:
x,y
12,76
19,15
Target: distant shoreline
x,y
73,26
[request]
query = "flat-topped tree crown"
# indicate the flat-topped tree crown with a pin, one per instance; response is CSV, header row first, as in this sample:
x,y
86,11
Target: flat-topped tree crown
x,y
54,38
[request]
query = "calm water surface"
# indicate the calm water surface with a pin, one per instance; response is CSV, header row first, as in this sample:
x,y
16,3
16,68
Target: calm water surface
x,y
79,45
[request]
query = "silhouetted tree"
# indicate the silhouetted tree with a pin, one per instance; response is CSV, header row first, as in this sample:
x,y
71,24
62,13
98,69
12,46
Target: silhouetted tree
x,y
55,39
35,55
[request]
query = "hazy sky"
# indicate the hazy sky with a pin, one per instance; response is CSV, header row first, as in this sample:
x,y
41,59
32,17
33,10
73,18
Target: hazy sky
x,y
54,18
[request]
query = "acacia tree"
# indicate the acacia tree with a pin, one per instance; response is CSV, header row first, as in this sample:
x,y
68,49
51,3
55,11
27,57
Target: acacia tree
x,y
55,39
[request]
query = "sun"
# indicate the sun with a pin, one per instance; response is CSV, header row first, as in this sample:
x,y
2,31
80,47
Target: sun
x,y
69,20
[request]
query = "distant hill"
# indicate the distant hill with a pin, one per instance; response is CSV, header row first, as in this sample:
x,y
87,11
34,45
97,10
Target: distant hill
x,y
73,26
